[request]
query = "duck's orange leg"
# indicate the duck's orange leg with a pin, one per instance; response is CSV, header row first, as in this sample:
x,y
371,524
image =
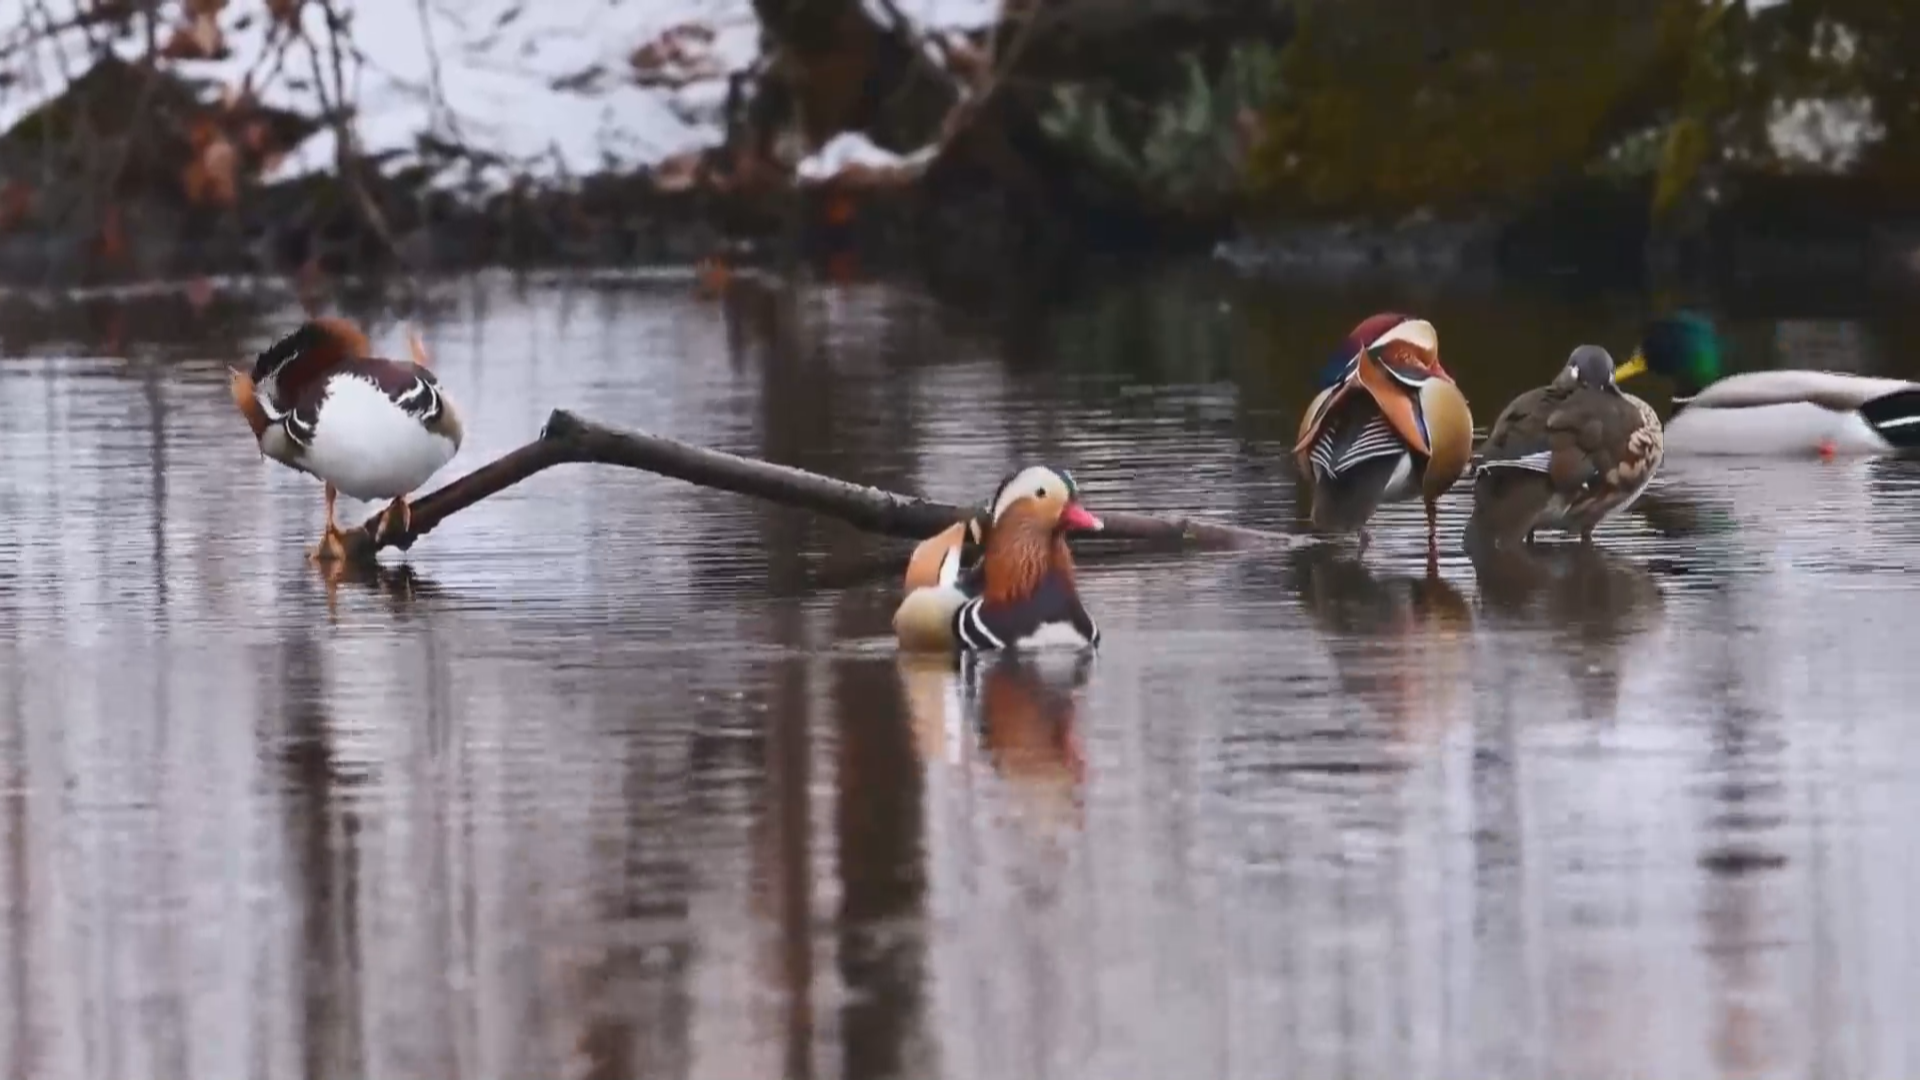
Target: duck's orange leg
x,y
331,548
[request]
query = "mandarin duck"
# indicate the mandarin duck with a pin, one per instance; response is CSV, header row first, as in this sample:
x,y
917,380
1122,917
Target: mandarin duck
x,y
1021,592
1389,425
1774,413
1565,456
318,401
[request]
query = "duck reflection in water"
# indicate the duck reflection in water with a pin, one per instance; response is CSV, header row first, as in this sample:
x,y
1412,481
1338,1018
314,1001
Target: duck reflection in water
x,y
1402,643
1604,601
399,584
1017,710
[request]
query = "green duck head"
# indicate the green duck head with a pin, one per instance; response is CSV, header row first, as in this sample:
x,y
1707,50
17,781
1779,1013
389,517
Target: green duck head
x,y
1683,347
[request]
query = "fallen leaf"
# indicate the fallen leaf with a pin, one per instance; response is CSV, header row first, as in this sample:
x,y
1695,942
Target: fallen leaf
x,y
840,210
712,275
222,166
679,172
255,134
113,237
677,56
16,203
206,33
200,39
843,267
199,293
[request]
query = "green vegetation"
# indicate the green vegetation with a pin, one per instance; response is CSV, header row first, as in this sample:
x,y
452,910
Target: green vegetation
x,y
1188,151
1382,108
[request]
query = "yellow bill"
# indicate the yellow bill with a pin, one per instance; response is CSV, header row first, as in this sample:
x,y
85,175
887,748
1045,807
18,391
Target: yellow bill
x,y
1635,365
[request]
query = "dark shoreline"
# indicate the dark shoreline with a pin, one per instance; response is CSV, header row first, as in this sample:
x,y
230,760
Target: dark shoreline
x,y
976,247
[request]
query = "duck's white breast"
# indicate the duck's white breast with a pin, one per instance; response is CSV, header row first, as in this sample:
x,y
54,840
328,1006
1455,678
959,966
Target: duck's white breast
x,y
1054,635
1783,429
368,447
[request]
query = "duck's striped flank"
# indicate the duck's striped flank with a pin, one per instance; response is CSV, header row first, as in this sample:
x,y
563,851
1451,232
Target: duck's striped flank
x,y
1540,462
299,429
1375,440
971,629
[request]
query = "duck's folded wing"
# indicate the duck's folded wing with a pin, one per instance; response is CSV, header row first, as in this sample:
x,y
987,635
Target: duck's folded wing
x,y
1576,439
938,559
1828,389
1398,401
1394,392
1518,438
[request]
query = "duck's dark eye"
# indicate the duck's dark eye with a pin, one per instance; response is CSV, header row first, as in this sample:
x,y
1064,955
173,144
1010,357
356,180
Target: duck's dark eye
x,y
1039,493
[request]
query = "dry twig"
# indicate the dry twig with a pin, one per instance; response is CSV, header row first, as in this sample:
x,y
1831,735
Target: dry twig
x,y
569,438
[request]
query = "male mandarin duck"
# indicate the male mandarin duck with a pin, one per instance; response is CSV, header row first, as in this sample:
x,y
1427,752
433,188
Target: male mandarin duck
x,y
1390,425
320,402
1565,456
1769,412
1021,593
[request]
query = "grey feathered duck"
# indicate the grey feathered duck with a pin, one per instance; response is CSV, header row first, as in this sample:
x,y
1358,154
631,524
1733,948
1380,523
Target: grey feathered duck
x,y
1565,456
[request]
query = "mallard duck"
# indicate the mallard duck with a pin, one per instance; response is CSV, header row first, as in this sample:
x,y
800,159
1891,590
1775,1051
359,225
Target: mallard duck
x,y
1769,412
1389,425
1021,592
1565,456
319,402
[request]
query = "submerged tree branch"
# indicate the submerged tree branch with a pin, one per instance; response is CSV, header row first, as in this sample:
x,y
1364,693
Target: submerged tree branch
x,y
569,438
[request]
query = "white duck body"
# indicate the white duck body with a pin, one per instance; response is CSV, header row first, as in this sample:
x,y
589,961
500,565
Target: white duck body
x,y
1786,413
363,441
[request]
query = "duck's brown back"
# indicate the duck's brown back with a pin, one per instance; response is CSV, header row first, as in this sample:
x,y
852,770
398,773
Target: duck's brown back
x,y
1592,433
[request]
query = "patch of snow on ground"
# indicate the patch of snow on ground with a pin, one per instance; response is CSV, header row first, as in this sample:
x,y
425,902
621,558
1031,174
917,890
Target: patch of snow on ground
x,y
547,84
938,14
1828,133
850,148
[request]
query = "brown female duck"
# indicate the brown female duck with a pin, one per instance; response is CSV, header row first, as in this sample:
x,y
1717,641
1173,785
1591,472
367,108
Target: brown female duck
x,y
1565,456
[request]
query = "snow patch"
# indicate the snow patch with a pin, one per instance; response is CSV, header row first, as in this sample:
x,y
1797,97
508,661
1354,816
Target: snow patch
x,y
1829,133
554,88
850,150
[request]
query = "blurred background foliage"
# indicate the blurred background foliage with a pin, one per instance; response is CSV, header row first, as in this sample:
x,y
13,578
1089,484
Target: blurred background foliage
x,y
1386,108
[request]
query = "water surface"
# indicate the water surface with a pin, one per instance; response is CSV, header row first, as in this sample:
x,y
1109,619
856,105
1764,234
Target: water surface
x,y
617,777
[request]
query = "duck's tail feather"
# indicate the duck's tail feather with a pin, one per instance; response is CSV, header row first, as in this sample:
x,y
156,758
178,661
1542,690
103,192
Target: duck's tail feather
x,y
1895,417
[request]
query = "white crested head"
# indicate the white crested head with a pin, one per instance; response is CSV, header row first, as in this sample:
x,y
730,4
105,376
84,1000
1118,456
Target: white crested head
x,y
1037,481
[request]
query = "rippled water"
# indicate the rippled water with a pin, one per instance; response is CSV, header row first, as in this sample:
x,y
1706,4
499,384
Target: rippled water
x,y
618,777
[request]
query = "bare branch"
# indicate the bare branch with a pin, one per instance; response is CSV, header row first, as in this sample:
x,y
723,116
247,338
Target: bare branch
x,y
569,438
